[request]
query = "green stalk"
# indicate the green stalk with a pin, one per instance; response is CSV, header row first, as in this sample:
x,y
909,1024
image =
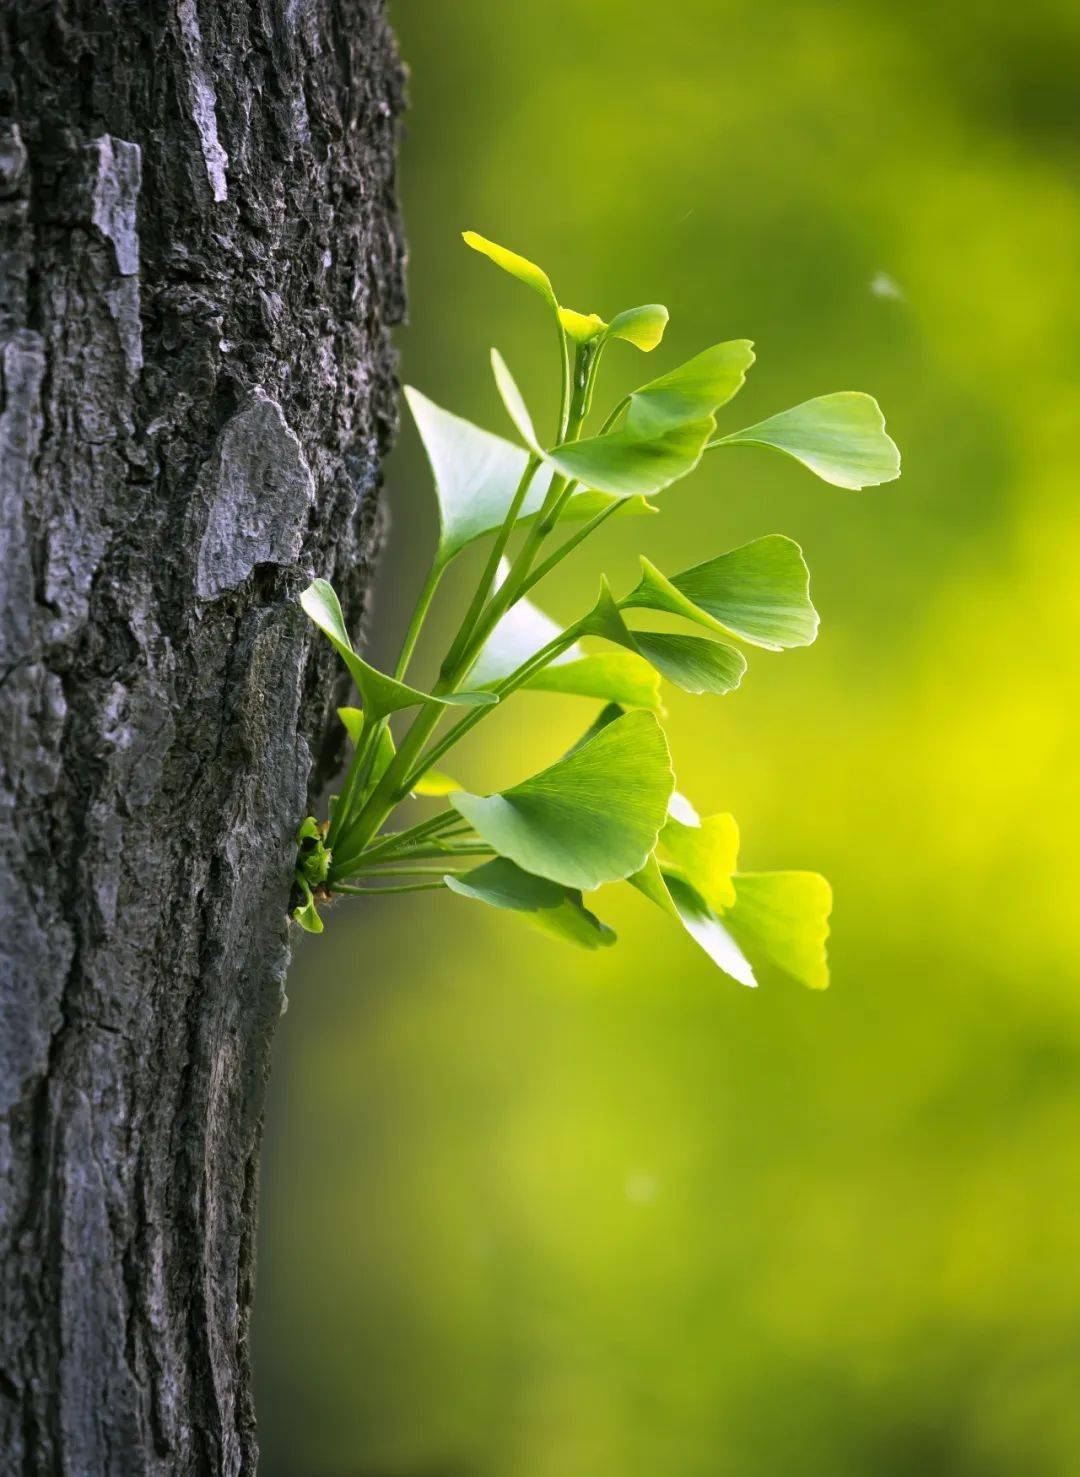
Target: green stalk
x,y
343,864
355,779
382,891
569,546
390,788
427,853
491,569
403,872
423,602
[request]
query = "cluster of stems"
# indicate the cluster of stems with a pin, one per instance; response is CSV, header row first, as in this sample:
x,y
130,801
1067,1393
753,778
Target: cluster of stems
x,y
357,849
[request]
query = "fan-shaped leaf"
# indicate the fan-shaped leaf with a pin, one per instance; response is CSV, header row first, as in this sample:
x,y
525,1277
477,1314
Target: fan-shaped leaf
x,y
782,919
518,266
695,665
759,592
643,327
627,464
612,676
381,694
704,852
476,474
743,920
513,400
435,782
706,929
840,437
692,663
592,817
556,909
692,391
581,327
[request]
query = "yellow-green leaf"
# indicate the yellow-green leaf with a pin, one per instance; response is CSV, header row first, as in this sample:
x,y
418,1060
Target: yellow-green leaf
x,y
840,437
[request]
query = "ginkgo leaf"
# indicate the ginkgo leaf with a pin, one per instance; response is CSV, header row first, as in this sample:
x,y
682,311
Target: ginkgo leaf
x,y
782,919
840,437
759,592
695,665
581,327
381,695
643,327
592,817
513,400
585,505
743,920
709,932
692,663
353,719
611,676
556,909
307,914
476,475
705,852
693,390
436,782
627,464
518,266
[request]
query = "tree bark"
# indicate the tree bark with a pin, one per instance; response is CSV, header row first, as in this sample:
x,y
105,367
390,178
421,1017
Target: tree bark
x,y
199,261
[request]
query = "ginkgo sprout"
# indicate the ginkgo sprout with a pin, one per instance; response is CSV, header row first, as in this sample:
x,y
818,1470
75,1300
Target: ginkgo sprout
x,y
608,810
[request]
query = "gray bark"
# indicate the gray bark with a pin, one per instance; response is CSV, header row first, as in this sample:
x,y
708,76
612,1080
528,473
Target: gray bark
x,y
199,262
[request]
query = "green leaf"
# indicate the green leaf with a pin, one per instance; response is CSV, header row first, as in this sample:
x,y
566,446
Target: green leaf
x,y
695,665
518,266
782,919
435,782
612,676
759,592
555,909
693,391
581,327
705,852
706,929
353,720
592,817
513,400
643,327
524,629
743,920
585,505
380,694
476,475
692,663
627,464
840,437
307,915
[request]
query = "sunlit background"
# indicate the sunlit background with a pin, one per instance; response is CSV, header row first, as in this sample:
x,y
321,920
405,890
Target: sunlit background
x,y
534,1213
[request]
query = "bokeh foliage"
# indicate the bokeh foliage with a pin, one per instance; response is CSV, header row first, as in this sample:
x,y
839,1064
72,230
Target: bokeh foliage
x,y
529,1213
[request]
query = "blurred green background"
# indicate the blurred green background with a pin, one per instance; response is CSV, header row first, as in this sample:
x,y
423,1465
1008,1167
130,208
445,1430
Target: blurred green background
x,y
534,1213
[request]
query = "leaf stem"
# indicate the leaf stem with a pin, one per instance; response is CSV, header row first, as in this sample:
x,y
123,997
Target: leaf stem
x,y
569,546
491,569
423,603
382,891
343,865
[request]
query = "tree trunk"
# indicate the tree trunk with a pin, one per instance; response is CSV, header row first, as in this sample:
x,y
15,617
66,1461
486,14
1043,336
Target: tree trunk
x,y
199,261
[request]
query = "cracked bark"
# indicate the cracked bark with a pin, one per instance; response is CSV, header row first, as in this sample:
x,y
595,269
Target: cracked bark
x,y
199,262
